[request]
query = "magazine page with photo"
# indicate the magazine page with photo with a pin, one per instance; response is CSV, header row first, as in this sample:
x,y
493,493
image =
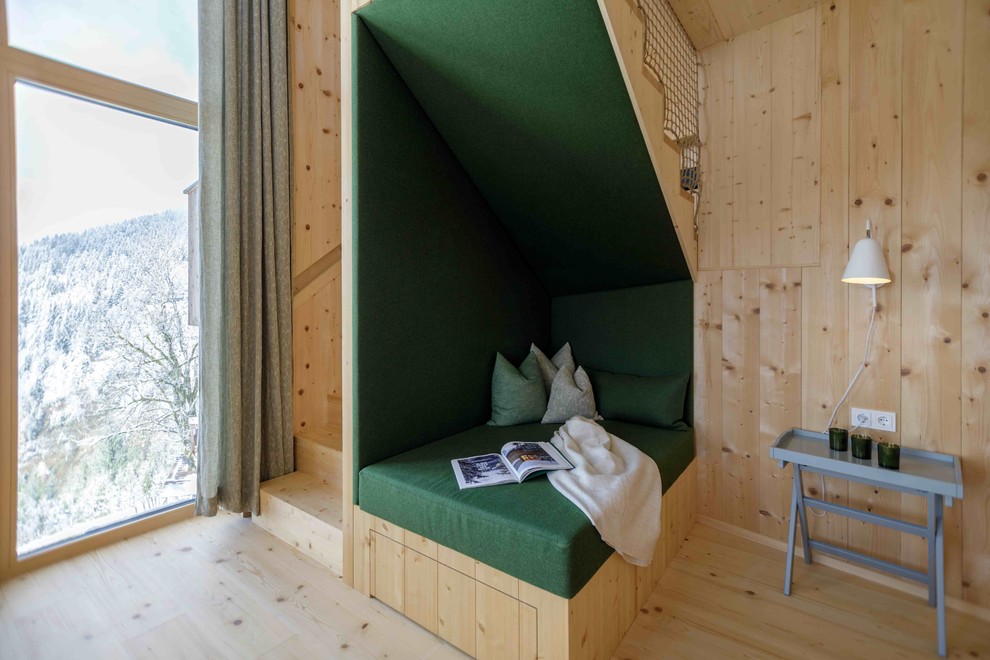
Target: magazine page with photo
x,y
485,470
525,458
513,464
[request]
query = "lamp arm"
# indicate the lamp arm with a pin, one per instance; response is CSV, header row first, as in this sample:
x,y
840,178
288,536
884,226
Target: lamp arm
x,y
862,365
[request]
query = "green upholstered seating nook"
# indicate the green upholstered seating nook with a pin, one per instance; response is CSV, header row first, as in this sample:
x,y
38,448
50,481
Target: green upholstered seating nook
x,y
527,530
503,195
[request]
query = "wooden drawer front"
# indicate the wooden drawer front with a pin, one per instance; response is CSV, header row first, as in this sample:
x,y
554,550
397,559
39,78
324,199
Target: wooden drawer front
x,y
456,609
394,532
497,579
527,632
420,594
498,624
389,572
421,544
479,613
456,561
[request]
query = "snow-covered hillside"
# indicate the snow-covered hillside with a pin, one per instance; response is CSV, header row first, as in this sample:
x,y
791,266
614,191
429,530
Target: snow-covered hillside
x,y
107,365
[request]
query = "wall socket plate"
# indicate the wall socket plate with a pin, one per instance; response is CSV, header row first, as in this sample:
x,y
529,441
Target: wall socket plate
x,y
862,418
879,420
884,421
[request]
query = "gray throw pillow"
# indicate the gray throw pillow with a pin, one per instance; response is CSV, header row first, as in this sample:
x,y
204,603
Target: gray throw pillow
x,y
550,366
518,395
570,395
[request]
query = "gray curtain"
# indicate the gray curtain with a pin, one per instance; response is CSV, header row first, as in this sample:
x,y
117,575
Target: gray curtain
x,y
245,415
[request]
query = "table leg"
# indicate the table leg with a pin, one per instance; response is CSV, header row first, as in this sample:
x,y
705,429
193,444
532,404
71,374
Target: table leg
x,y
799,493
790,534
932,579
940,574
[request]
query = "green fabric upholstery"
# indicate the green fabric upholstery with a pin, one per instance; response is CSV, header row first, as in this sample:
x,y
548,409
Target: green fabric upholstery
x,y
528,530
439,287
531,99
653,400
518,395
644,331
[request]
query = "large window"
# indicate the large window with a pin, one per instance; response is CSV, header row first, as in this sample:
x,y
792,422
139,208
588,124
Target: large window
x,y
149,42
98,98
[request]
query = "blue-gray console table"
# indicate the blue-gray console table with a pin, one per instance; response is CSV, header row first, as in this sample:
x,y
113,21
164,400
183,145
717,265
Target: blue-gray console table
x,y
936,477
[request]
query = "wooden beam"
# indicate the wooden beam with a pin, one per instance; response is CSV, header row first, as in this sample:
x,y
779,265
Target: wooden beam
x,y
88,85
347,289
8,325
308,283
975,368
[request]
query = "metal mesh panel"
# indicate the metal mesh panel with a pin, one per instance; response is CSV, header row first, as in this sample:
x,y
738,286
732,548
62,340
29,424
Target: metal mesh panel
x,y
670,56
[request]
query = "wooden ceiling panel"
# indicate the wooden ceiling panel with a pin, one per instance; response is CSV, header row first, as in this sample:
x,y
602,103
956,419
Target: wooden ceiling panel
x,y
698,20
709,21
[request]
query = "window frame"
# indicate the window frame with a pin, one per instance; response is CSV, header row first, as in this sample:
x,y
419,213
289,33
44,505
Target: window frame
x,y
17,65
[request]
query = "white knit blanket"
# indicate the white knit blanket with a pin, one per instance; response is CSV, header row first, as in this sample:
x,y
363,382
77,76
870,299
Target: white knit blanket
x,y
615,484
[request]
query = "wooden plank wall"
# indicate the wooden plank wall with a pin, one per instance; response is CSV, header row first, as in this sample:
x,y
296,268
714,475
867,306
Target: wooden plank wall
x,y
316,345
894,127
761,156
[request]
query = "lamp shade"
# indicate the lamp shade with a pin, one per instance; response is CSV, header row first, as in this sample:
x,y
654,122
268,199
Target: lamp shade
x,y
866,264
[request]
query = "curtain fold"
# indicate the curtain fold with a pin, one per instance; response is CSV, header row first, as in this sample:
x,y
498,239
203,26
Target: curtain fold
x,y
245,425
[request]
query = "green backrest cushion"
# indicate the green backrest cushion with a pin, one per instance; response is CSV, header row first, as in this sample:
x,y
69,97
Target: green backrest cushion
x,y
518,395
643,331
531,99
654,400
438,285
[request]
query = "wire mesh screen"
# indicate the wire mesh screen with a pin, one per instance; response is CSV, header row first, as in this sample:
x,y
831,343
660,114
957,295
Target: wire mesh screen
x,y
670,57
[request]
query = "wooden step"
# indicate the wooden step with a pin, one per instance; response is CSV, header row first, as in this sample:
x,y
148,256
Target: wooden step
x,y
307,513
318,454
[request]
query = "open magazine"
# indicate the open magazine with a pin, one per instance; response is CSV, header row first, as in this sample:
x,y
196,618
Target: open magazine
x,y
516,462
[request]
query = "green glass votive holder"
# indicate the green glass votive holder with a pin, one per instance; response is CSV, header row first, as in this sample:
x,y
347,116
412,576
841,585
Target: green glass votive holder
x,y
862,447
889,455
838,439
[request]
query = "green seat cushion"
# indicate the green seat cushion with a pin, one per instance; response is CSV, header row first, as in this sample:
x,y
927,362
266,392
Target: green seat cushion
x,y
527,530
653,400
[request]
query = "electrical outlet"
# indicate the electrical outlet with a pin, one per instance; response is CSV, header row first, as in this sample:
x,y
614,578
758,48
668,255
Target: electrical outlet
x,y
880,420
862,418
884,421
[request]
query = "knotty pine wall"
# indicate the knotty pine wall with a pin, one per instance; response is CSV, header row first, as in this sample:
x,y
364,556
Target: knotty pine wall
x,y
855,109
314,45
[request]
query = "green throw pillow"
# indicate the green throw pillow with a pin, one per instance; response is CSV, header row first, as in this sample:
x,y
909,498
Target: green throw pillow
x,y
653,400
518,395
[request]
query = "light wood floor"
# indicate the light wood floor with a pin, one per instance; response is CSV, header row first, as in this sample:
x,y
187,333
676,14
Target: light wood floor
x,y
722,597
225,588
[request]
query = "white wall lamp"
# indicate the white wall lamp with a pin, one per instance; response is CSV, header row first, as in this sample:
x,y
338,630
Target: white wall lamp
x,y
866,264
868,267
